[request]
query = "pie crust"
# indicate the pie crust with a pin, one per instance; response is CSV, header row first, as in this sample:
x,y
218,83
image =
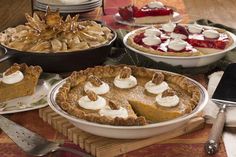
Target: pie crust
x,y
200,50
133,99
153,19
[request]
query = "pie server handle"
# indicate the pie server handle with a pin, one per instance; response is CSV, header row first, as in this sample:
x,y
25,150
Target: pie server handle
x,y
212,144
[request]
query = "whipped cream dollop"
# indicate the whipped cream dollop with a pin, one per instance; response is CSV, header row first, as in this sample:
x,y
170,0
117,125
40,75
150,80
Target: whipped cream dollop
x,y
102,89
156,89
212,34
125,83
152,32
13,78
151,40
177,44
86,103
107,111
194,28
169,27
169,101
155,4
174,35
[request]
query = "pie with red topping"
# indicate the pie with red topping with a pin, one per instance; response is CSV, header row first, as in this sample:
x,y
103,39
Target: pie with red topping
x,y
153,12
127,95
180,40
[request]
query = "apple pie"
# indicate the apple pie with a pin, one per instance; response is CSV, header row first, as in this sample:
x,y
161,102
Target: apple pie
x,y
50,34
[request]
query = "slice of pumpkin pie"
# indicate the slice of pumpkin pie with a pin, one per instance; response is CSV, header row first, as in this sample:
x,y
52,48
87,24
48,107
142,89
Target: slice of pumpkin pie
x,y
18,81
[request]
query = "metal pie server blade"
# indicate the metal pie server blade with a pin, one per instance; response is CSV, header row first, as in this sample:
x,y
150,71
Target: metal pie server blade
x,y
31,142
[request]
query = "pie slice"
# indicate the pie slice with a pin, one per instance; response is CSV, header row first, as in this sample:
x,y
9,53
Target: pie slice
x,y
210,40
149,107
153,12
18,81
127,95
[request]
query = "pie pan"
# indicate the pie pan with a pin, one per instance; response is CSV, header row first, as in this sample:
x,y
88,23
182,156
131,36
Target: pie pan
x,y
189,61
61,61
128,132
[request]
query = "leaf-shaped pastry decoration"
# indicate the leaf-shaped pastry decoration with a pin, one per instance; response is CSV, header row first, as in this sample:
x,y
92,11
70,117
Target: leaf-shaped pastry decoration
x,y
50,33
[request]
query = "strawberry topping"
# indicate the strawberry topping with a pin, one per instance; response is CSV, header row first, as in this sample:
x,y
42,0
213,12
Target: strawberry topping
x,y
217,44
152,12
181,30
126,12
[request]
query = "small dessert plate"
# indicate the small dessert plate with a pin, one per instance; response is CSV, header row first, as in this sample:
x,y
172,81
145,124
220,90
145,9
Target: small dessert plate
x,y
32,102
175,19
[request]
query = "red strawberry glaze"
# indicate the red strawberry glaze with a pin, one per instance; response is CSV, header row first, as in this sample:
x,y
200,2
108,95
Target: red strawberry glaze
x,y
138,40
126,12
145,11
198,40
181,30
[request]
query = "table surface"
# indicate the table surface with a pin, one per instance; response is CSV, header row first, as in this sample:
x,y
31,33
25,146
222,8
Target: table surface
x,y
219,11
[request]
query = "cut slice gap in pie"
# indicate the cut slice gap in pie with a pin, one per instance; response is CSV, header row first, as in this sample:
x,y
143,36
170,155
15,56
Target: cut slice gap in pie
x,y
133,92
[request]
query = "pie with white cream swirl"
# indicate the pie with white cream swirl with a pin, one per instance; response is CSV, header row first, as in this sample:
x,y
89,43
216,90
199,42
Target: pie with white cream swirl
x,y
180,40
140,96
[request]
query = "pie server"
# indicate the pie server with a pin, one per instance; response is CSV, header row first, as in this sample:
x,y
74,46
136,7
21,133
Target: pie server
x,y
32,143
224,96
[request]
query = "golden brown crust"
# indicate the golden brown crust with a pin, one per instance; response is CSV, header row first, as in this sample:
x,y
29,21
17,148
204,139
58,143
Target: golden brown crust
x,y
53,34
112,71
152,20
200,50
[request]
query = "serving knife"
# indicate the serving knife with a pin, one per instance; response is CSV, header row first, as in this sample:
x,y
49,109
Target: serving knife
x,y
224,96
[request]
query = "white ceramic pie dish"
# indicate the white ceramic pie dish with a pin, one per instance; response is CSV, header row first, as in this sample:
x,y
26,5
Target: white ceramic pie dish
x,y
190,61
127,132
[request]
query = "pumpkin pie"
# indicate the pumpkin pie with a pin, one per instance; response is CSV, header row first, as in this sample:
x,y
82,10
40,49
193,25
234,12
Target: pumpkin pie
x,y
18,81
127,95
180,40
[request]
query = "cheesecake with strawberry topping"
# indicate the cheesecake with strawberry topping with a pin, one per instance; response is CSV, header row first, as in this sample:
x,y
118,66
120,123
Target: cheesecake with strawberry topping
x,y
180,40
210,40
153,12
